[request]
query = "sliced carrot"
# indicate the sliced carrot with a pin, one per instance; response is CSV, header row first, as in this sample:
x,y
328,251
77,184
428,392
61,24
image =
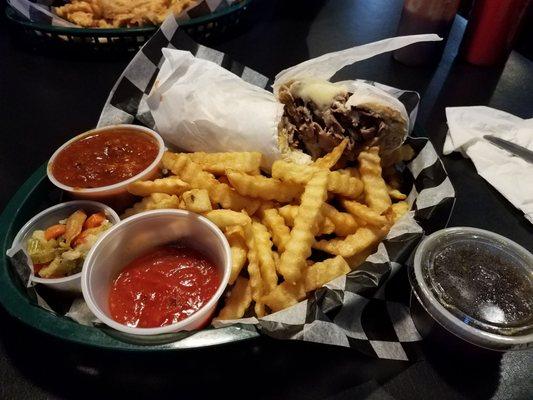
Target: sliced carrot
x,y
78,239
94,220
54,231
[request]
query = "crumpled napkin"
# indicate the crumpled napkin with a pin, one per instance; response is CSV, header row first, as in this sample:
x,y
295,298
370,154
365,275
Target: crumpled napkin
x,y
512,176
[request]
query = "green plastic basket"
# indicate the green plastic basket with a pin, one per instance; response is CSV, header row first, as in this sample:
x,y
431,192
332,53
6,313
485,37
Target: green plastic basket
x,y
41,35
35,195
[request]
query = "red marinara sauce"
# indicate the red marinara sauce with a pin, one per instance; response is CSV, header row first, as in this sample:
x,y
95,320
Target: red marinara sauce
x,y
104,158
163,287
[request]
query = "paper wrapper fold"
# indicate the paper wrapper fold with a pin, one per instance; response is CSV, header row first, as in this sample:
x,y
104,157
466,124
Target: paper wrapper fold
x,y
368,309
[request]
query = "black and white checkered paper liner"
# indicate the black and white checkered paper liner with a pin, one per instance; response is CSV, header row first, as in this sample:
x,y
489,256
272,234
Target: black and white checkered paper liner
x,y
41,11
366,309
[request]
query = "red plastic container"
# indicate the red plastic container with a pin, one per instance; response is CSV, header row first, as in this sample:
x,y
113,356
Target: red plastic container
x,y
491,30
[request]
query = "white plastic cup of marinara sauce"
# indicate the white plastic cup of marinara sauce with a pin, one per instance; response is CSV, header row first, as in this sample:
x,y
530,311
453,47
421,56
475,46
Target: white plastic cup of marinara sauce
x,y
49,217
115,195
136,236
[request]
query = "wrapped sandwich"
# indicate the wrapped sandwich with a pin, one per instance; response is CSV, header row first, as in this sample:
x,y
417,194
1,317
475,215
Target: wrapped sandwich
x,y
199,106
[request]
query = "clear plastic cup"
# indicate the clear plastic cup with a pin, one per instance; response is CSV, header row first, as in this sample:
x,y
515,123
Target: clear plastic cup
x,y
136,236
52,216
470,282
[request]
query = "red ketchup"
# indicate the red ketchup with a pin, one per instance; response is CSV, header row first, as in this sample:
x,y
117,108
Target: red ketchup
x,y
163,287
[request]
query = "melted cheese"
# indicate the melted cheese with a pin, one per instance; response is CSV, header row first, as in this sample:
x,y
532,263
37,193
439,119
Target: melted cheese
x,y
320,92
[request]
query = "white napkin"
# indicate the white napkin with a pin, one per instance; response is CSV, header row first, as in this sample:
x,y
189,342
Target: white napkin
x,y
510,175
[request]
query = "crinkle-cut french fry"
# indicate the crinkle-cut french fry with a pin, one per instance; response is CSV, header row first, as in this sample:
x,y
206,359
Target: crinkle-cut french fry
x,y
238,301
344,185
153,202
234,230
284,296
356,260
189,171
223,179
403,153
256,280
364,213
275,256
267,265
375,189
350,171
228,198
338,183
344,223
218,163
226,218
399,210
395,194
219,193
305,228
290,212
265,205
197,200
169,185
239,251
352,244
330,159
263,187
320,273
276,224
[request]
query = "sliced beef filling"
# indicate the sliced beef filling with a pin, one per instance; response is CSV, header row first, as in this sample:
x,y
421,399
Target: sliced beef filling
x,y
317,131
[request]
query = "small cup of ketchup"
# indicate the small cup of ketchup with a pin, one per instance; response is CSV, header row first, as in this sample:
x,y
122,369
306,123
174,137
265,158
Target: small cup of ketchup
x,y
157,272
99,164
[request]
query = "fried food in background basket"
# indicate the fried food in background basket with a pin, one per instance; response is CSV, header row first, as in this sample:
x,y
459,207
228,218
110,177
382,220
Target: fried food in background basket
x,y
121,13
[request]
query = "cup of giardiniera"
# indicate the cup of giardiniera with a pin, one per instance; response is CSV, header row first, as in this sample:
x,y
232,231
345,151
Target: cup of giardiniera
x,y
54,242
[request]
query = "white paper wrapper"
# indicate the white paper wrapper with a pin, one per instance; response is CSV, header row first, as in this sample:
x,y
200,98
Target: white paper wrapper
x,y
199,106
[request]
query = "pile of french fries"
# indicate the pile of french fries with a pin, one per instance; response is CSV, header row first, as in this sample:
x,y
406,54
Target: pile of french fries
x,y
273,223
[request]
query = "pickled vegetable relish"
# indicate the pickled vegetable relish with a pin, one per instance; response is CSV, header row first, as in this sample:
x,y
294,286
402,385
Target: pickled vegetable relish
x,y
60,249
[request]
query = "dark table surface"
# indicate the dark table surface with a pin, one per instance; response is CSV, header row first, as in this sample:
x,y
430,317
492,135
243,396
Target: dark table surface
x,y
45,99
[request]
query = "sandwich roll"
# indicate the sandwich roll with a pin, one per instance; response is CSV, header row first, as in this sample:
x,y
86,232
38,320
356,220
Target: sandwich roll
x,y
319,114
